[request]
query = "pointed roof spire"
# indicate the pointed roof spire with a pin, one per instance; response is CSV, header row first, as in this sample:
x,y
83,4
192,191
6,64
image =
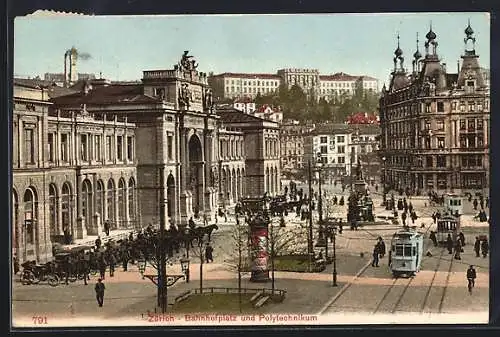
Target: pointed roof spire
x,y
398,52
430,35
417,54
469,31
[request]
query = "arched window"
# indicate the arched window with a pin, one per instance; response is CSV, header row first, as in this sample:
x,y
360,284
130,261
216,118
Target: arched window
x,y
99,198
131,199
66,207
87,200
53,210
30,215
122,205
111,200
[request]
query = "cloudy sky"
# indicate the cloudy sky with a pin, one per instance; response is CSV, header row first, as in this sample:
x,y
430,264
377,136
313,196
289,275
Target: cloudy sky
x,y
122,47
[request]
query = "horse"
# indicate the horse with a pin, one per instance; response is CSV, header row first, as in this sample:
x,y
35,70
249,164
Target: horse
x,y
201,231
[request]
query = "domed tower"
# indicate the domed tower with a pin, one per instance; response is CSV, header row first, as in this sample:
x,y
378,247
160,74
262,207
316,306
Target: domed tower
x,y
398,57
416,58
431,44
470,75
399,78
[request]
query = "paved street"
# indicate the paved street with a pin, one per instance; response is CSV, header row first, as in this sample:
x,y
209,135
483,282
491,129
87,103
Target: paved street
x,y
440,286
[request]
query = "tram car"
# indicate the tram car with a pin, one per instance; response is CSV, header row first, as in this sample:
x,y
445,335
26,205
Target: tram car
x,y
405,256
453,204
448,224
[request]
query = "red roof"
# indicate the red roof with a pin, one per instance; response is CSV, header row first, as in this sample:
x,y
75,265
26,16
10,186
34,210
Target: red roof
x,y
250,76
264,107
338,77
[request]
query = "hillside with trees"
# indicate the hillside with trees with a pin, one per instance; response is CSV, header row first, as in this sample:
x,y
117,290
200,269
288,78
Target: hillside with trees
x,y
296,105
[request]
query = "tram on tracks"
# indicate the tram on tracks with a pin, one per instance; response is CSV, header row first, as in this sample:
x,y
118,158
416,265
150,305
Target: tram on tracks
x,y
405,255
453,203
448,224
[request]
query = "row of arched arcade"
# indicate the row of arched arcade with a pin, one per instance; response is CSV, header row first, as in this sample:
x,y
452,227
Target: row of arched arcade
x,y
37,222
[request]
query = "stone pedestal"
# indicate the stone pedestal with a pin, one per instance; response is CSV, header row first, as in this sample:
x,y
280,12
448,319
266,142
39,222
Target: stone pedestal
x,y
81,229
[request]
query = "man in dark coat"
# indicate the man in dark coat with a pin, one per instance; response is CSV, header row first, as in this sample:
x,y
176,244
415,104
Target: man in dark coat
x,y
209,253
485,247
102,266
458,250
449,244
125,257
461,237
381,247
99,292
474,203
112,263
106,227
375,255
477,246
433,238
471,277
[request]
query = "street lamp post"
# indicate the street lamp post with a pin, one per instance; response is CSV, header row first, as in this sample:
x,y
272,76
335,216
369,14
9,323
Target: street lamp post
x,y
320,200
334,273
185,267
384,194
310,236
162,268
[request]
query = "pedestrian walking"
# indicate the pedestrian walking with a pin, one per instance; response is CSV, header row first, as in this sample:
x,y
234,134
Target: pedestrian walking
x,y
106,227
461,237
474,203
99,292
125,257
485,247
102,267
487,204
112,263
458,250
449,244
471,278
477,246
433,238
209,253
375,256
381,247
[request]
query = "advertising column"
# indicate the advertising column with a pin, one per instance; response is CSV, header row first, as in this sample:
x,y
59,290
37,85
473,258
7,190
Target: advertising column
x,y
260,255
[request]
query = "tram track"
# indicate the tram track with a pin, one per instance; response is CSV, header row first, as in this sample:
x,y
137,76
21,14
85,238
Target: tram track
x,y
429,288
443,295
392,289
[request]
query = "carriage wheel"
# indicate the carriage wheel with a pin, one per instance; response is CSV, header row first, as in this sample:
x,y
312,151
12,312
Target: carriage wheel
x,y
27,277
72,278
93,272
53,280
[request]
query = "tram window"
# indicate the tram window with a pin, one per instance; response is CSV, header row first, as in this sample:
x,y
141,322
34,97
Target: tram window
x,y
407,250
399,250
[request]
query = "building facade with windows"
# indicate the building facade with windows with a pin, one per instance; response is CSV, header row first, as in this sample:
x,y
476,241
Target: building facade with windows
x,y
332,145
72,170
329,87
435,124
292,146
235,85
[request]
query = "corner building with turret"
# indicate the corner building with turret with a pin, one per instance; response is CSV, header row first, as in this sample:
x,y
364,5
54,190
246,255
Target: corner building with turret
x,y
435,124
